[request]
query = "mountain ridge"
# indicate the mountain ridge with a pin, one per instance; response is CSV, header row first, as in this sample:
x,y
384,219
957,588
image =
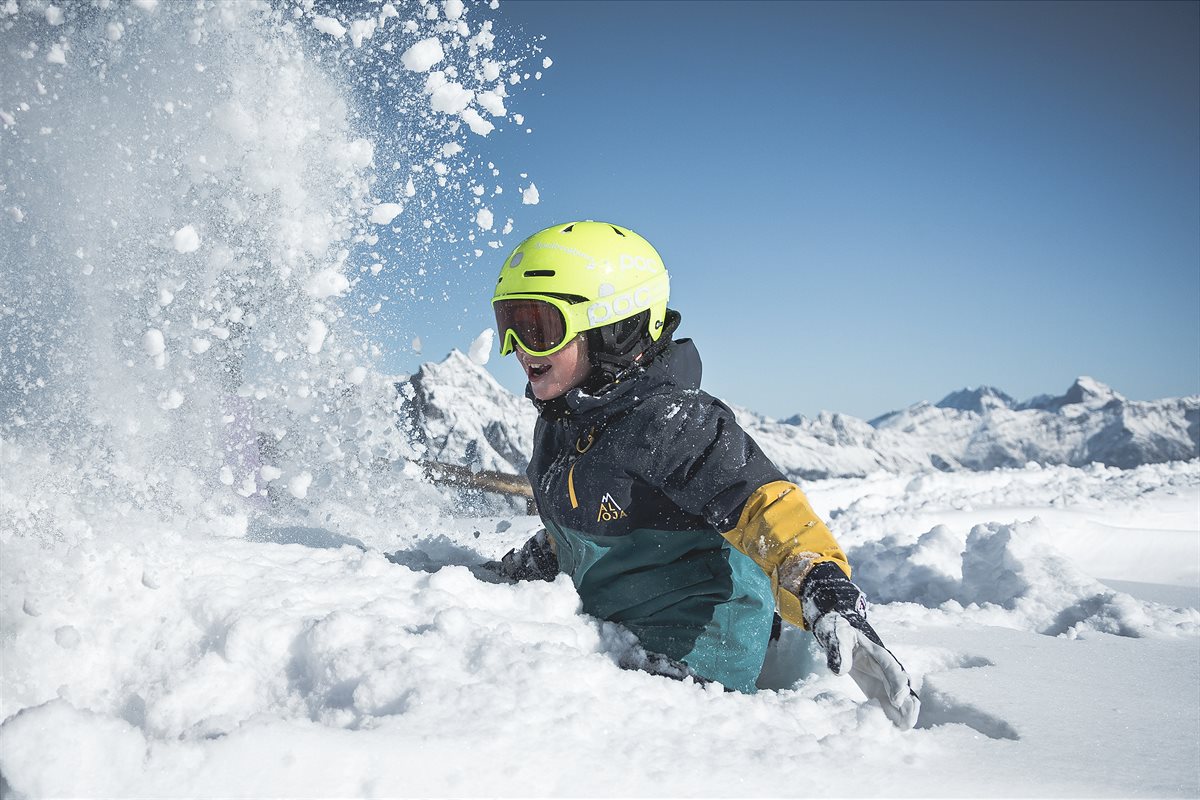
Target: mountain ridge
x,y
459,414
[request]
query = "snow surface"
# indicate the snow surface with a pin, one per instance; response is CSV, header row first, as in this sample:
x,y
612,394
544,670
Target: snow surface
x,y
241,656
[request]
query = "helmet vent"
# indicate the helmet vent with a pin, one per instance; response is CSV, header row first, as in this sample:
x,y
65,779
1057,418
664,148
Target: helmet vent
x,y
617,231
568,228
539,273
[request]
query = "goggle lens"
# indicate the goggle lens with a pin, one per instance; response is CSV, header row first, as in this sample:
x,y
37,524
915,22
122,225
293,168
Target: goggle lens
x,y
538,325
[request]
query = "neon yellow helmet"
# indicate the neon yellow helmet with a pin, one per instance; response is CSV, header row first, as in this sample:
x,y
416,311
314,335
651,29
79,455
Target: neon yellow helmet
x,y
575,277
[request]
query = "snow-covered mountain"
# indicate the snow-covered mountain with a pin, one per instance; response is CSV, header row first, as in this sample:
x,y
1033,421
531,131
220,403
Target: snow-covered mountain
x,y
985,428
459,414
458,411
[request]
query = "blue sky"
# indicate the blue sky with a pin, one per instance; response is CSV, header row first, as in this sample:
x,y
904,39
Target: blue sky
x,y
865,205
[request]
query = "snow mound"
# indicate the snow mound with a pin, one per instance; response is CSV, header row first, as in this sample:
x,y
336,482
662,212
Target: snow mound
x,y
1010,575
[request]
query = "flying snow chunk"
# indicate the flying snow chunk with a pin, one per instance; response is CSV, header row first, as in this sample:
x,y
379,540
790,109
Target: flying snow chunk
x,y
484,219
149,6
422,55
546,62
113,31
314,340
153,342
453,9
298,484
54,15
448,97
362,29
249,486
384,213
358,154
530,196
493,103
481,349
327,283
416,344
476,123
330,26
57,54
171,400
186,240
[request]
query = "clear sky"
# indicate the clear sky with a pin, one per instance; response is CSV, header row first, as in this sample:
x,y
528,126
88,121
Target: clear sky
x,y
865,205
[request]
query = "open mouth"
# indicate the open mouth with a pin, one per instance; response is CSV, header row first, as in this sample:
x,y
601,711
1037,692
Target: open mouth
x,y
538,370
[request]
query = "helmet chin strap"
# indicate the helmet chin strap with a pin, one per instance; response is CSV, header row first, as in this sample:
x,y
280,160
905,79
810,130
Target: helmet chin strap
x,y
614,357
598,381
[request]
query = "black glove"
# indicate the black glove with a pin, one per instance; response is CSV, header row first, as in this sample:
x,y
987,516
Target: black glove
x,y
836,613
535,561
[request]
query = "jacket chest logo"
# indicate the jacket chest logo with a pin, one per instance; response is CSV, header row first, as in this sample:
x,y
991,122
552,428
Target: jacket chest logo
x,y
609,510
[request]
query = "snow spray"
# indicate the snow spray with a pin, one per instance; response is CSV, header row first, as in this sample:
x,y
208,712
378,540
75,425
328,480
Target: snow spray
x,y
195,198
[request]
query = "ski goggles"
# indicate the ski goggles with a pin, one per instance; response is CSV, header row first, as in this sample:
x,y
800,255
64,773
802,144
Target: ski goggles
x,y
543,324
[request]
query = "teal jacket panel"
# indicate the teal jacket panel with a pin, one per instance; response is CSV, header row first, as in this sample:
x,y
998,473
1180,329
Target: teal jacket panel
x,y
685,594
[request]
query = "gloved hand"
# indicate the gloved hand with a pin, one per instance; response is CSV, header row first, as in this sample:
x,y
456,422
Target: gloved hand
x,y
836,613
535,561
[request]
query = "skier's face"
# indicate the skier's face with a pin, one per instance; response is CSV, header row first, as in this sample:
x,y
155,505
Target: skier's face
x,y
554,375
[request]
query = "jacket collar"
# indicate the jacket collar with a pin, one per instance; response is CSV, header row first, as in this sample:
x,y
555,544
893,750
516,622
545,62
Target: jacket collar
x,y
676,365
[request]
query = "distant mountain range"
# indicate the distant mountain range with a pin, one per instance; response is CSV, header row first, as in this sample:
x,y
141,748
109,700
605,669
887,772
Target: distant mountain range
x,y
459,414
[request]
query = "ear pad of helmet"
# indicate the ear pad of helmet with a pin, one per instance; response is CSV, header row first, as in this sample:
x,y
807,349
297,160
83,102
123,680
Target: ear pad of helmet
x,y
613,347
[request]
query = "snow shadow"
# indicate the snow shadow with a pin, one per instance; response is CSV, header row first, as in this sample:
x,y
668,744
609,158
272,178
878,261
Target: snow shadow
x,y
790,659
433,553
940,707
318,538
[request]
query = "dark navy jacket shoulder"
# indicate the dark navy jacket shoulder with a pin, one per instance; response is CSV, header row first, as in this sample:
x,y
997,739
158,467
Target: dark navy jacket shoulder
x,y
672,452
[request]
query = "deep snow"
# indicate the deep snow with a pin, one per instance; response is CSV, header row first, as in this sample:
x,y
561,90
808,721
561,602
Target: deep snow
x,y
147,657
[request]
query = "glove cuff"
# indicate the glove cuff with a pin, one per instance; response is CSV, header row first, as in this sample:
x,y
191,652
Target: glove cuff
x,y
826,589
535,561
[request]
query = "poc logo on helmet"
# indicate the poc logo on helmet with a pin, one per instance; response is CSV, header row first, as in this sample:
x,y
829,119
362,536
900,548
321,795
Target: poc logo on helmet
x,y
640,263
618,306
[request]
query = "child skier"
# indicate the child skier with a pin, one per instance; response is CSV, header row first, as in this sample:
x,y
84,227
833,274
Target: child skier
x,y
665,513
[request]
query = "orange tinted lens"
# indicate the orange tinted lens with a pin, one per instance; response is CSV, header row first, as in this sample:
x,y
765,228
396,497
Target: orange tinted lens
x,y
539,325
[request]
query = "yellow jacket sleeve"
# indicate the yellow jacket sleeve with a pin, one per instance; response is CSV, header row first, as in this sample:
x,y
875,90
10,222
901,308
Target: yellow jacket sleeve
x,y
781,532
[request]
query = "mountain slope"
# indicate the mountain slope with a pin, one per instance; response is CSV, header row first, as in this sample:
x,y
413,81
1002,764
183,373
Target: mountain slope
x,y
455,412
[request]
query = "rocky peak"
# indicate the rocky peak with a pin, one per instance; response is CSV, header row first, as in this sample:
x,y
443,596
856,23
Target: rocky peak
x,y
980,400
1085,391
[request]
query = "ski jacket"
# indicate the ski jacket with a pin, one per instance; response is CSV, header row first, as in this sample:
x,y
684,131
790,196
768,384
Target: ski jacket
x,y
671,521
